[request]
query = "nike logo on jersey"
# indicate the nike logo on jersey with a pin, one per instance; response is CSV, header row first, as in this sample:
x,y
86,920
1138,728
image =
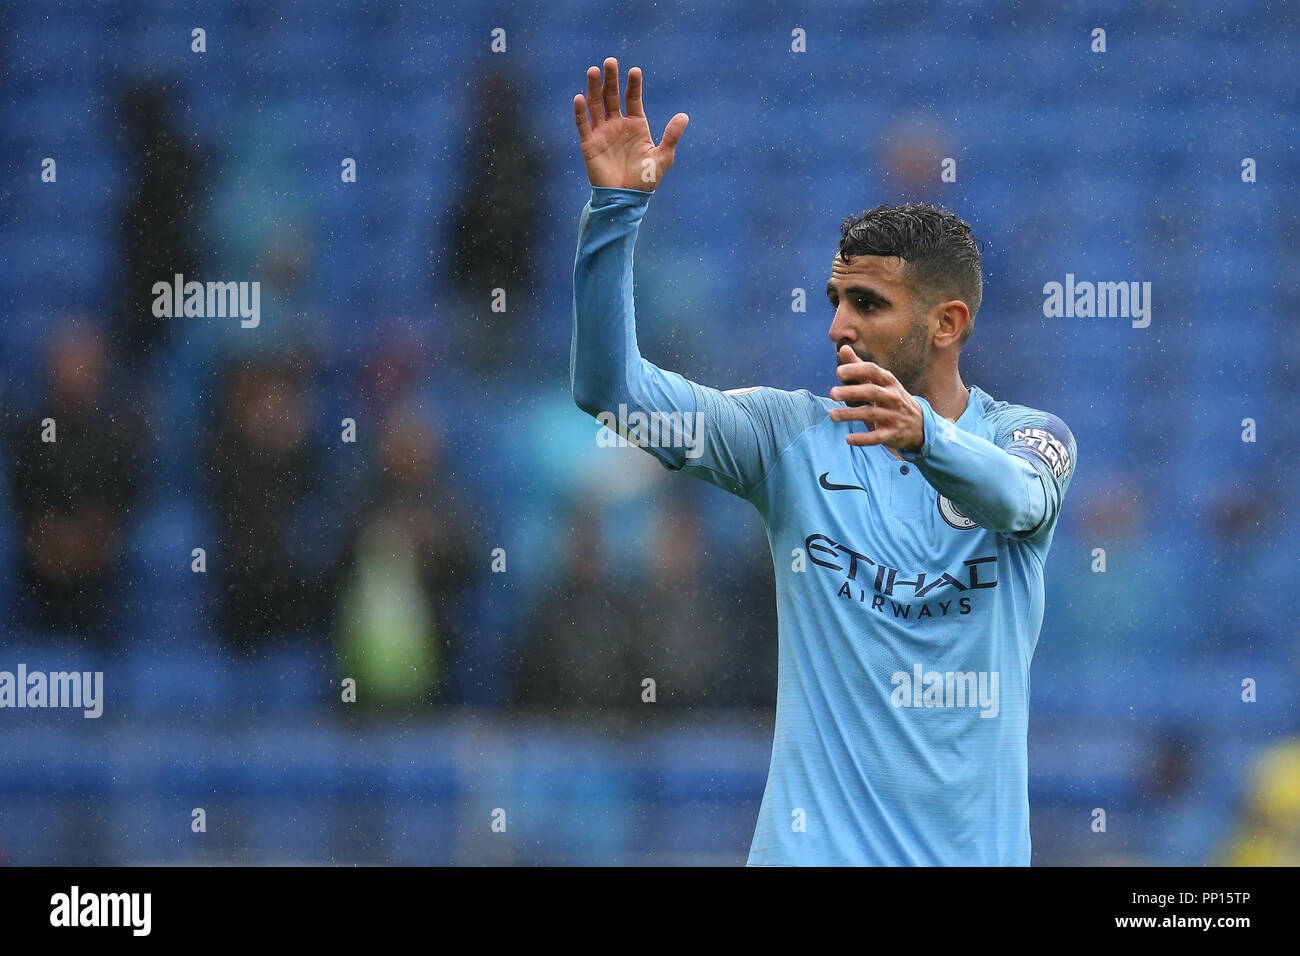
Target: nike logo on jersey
x,y
829,486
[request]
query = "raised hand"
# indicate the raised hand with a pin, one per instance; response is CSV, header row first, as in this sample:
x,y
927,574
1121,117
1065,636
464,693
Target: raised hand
x,y
618,149
878,399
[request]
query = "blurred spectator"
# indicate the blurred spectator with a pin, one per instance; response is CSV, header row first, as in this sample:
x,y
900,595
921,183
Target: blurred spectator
x,y
1268,833
392,369
1175,824
73,495
1249,573
746,599
914,154
267,491
408,566
495,228
1101,608
582,650
641,598
684,634
156,230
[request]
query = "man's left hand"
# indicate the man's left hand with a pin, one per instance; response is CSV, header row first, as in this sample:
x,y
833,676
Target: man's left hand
x,y
895,416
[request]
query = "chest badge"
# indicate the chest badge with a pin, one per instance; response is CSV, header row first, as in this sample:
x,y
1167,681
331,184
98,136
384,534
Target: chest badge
x,y
948,511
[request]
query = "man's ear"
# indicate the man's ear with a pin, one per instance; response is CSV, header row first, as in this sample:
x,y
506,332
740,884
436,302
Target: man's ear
x,y
953,317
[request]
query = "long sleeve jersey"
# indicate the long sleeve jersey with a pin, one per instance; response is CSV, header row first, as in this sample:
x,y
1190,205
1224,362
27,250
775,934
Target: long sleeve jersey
x,y
909,590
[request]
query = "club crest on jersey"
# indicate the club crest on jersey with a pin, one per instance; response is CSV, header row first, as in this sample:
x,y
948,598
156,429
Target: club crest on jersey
x,y
955,518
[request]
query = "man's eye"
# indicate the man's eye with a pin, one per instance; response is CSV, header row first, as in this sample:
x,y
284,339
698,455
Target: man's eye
x,y
866,305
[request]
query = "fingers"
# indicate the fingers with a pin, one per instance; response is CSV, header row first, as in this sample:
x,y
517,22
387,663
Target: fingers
x,y
859,393
673,133
580,117
865,372
882,431
867,414
900,427
634,105
593,97
612,107
877,437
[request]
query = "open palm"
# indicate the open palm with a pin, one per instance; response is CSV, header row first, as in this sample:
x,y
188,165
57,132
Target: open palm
x,y
617,149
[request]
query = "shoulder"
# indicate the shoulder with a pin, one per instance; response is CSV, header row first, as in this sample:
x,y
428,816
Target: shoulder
x,y
801,402
776,416
1031,433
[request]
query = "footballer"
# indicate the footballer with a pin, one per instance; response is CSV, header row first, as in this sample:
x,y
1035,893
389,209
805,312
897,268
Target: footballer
x,y
908,514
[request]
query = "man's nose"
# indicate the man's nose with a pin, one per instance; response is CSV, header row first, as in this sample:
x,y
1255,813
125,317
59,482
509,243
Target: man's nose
x,y
841,332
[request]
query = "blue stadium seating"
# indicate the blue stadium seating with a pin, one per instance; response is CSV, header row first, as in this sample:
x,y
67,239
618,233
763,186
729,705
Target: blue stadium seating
x,y
1069,161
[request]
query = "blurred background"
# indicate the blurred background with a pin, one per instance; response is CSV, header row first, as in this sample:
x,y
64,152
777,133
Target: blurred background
x,y
510,679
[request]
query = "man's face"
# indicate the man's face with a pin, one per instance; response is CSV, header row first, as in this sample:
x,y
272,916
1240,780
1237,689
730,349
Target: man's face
x,y
874,316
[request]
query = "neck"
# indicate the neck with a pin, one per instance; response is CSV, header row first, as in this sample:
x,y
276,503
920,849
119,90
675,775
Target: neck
x,y
946,394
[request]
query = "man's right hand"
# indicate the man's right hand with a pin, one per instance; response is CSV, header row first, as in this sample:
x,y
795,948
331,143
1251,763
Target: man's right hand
x,y
617,149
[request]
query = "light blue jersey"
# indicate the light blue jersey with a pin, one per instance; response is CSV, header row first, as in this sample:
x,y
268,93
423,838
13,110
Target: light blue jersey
x,y
909,591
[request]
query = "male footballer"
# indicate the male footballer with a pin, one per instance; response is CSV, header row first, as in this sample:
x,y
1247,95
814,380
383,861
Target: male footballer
x,y
908,514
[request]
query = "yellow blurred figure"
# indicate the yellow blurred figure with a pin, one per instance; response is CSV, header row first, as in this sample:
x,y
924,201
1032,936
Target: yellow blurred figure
x,y
1269,833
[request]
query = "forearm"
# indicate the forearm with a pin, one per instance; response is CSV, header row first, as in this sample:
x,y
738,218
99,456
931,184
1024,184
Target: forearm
x,y
606,369
994,488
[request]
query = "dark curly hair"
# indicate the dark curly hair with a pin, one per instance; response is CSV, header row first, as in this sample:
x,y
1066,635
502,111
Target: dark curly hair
x,y
941,258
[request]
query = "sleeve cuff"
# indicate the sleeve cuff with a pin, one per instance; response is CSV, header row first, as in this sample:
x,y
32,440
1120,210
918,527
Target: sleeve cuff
x,y
608,196
928,427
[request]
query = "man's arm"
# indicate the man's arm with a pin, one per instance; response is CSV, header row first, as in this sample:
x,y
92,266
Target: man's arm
x,y
1013,485
624,167
730,439
605,366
